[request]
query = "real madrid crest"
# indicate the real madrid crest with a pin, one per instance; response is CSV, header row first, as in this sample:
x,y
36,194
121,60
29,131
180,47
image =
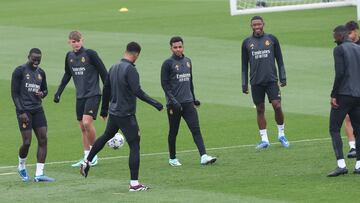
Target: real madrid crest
x,y
71,60
267,42
27,76
177,66
83,59
39,77
171,112
188,64
252,46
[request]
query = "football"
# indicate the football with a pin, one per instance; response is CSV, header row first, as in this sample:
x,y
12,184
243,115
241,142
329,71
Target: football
x,y
117,141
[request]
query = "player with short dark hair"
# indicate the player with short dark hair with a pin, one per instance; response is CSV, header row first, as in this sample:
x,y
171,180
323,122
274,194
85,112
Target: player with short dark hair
x,y
28,88
345,96
177,83
85,67
121,89
260,51
353,28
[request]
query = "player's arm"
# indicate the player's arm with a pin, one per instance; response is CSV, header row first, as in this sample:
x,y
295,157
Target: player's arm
x,y
98,63
339,73
196,102
134,83
165,84
280,61
43,88
64,81
244,67
15,94
106,95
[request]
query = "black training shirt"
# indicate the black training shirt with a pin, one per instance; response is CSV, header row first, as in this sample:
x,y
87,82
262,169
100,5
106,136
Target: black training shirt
x,y
176,80
26,81
84,66
261,52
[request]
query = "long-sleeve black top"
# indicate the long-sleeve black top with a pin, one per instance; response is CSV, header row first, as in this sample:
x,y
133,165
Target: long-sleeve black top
x,y
121,89
85,66
26,81
260,52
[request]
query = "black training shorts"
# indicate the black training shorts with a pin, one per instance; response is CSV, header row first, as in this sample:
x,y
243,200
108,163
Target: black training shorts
x,y
36,117
87,106
271,89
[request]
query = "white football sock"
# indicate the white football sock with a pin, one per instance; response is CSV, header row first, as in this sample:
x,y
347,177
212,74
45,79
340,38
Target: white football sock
x,y
39,169
281,130
22,163
86,153
134,182
352,144
357,165
341,163
264,136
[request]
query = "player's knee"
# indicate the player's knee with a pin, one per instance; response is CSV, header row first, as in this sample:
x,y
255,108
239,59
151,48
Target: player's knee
x,y
42,142
277,106
26,144
260,110
87,124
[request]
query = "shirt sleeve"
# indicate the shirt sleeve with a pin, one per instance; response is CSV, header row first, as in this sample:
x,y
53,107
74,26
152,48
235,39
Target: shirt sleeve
x,y
98,63
65,79
191,82
15,89
106,97
43,87
339,69
279,60
134,83
165,81
244,64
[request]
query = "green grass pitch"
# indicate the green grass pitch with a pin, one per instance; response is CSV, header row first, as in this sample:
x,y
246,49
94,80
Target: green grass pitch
x,y
228,121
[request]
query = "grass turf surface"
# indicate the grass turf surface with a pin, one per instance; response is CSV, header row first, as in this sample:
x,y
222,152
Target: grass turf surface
x,y
212,40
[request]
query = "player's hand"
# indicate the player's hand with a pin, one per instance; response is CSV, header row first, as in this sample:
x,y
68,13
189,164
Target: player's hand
x,y
104,114
56,98
176,106
24,118
104,118
245,89
159,106
197,103
334,103
40,94
283,84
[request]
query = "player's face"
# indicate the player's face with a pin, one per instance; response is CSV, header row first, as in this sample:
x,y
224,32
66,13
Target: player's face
x,y
353,35
177,48
257,27
34,59
76,44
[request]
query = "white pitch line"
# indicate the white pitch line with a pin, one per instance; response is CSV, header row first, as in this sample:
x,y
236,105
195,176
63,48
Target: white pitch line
x,y
6,174
184,151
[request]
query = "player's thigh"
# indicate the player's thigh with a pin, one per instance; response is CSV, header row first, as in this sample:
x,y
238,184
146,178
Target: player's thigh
x,y
174,117
39,119
80,107
190,115
273,92
112,126
25,126
258,94
337,115
92,106
130,128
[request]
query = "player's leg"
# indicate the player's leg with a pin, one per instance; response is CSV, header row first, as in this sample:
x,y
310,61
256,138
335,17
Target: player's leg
x,y
274,96
337,117
80,105
40,129
258,96
111,129
191,118
354,115
130,129
89,115
174,117
26,134
351,138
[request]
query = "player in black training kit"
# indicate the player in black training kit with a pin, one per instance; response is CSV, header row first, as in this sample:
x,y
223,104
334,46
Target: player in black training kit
x,y
121,89
85,66
345,96
28,88
176,80
353,28
260,51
